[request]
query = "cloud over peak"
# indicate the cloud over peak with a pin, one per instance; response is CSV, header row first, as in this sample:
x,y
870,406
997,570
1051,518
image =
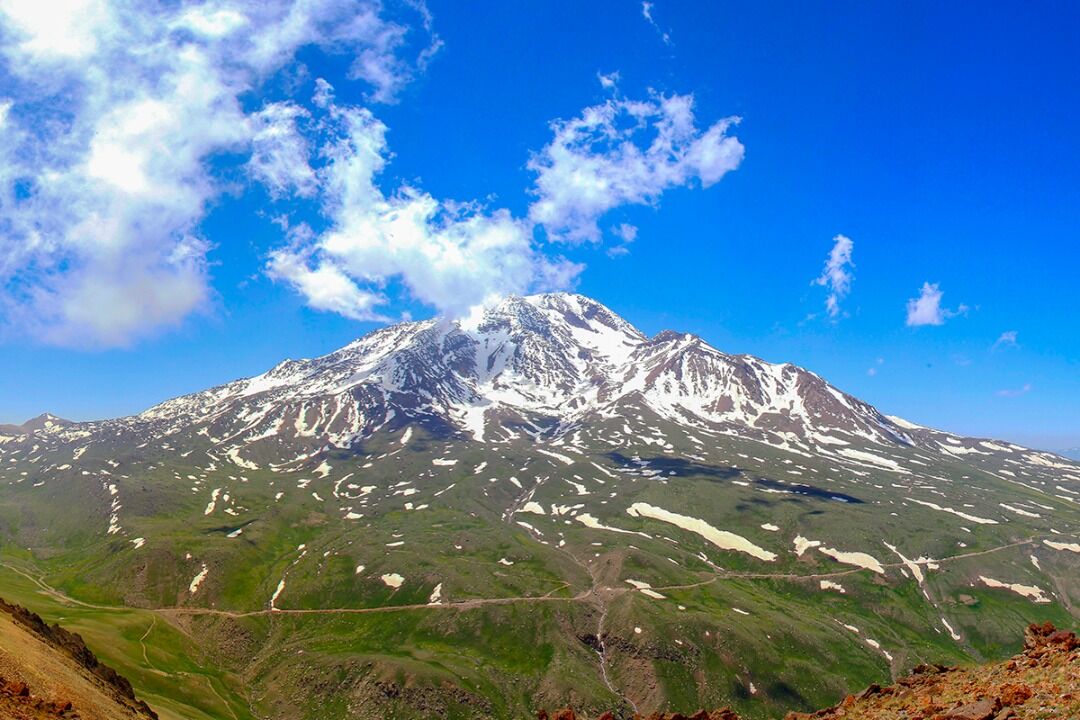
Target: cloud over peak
x,y
452,255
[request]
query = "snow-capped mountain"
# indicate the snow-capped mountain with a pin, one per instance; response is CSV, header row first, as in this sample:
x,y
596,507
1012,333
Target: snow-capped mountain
x,y
550,363
552,359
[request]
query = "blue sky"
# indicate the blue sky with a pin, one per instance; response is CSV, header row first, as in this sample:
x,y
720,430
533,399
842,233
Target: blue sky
x,y
940,141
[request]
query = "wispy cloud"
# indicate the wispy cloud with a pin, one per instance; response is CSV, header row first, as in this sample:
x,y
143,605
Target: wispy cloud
x,y
647,13
836,274
927,310
626,234
1017,392
873,369
609,81
1006,340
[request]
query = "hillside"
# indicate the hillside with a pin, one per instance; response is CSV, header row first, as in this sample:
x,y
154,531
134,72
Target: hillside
x,y
538,507
1041,682
47,672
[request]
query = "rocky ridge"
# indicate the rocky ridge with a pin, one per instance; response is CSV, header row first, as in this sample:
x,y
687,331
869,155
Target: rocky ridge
x,y
24,697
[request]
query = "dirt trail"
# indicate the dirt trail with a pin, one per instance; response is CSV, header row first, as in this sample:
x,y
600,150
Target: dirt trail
x,y
142,644
591,594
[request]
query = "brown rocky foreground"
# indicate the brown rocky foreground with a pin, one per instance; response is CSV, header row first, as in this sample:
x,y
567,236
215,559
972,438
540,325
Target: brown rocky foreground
x,y
48,672
1041,683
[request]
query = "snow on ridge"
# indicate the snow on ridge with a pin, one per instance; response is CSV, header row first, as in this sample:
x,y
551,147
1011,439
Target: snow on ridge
x,y
1071,547
196,581
591,522
277,594
906,424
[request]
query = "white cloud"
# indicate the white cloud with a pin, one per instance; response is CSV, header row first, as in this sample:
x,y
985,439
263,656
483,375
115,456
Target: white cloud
x,y
626,233
873,369
837,274
127,122
624,152
609,81
448,255
926,309
457,256
59,30
324,287
1017,392
108,150
1007,339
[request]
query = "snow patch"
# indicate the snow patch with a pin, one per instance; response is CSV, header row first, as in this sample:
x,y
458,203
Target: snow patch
x,y
720,538
1071,547
196,581
858,559
392,580
1032,592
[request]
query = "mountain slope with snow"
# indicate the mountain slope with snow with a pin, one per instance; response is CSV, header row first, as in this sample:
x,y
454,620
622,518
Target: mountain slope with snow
x,y
491,515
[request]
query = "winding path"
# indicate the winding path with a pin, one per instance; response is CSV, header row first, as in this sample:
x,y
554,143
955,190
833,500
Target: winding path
x,y
588,595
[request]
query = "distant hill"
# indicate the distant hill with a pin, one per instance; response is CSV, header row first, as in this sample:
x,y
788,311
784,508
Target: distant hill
x,y
45,421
